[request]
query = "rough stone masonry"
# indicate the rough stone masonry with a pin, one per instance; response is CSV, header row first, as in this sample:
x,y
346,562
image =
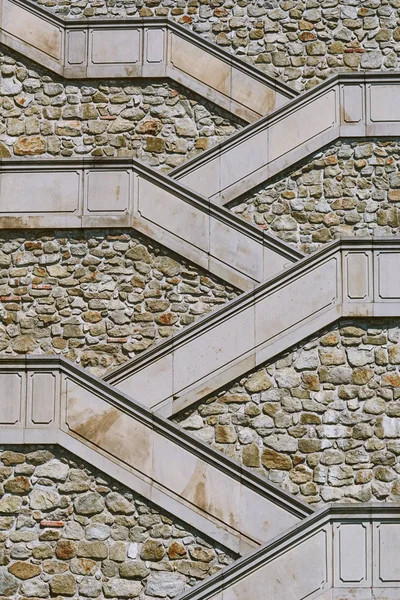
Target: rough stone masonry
x,y
97,297
69,531
322,420
301,42
161,124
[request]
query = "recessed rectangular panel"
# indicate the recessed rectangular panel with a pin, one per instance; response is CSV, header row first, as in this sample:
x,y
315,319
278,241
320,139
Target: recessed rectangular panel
x,y
155,45
388,554
201,65
115,46
351,554
42,393
11,387
44,192
76,44
388,275
357,275
384,102
302,125
352,110
108,191
33,30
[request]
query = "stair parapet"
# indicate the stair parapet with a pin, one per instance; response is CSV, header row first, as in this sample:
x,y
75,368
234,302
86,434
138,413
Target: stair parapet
x,y
348,278
44,399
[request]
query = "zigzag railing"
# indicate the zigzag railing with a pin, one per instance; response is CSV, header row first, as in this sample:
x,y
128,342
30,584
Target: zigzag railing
x,y
132,48
125,193
348,278
343,552
49,400
346,106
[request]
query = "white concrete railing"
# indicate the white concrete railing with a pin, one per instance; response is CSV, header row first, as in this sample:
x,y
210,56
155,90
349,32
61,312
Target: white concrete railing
x,y
48,400
346,106
348,278
343,552
153,47
124,193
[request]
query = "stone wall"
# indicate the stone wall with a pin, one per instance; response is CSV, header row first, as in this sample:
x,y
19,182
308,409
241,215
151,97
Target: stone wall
x,y
159,123
350,188
322,421
97,297
302,42
68,531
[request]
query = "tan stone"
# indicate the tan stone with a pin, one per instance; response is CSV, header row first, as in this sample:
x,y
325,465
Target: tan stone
x,y
225,434
176,551
24,570
258,382
152,550
66,549
251,455
63,585
18,485
274,460
30,145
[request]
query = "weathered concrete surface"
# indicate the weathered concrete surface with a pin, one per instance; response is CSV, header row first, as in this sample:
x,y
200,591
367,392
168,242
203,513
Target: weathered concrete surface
x,y
49,400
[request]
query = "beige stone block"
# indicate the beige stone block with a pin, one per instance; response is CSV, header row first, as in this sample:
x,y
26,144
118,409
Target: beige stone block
x,y
162,207
107,427
252,93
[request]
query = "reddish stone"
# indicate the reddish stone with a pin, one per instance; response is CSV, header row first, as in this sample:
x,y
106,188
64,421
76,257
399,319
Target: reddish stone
x,y
10,299
66,549
44,286
45,523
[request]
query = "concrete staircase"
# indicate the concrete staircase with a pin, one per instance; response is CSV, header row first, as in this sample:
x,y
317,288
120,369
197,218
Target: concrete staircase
x,y
119,424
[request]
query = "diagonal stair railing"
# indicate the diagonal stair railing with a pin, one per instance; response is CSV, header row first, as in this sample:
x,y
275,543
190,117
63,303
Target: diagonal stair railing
x,y
353,105
356,277
48,193
49,400
341,552
144,48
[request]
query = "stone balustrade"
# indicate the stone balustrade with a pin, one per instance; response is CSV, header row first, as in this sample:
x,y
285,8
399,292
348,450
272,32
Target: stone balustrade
x,y
123,193
344,551
52,401
348,278
345,106
144,48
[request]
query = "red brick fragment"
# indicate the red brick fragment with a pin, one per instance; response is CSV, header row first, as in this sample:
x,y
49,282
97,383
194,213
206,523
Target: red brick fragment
x,y
45,523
